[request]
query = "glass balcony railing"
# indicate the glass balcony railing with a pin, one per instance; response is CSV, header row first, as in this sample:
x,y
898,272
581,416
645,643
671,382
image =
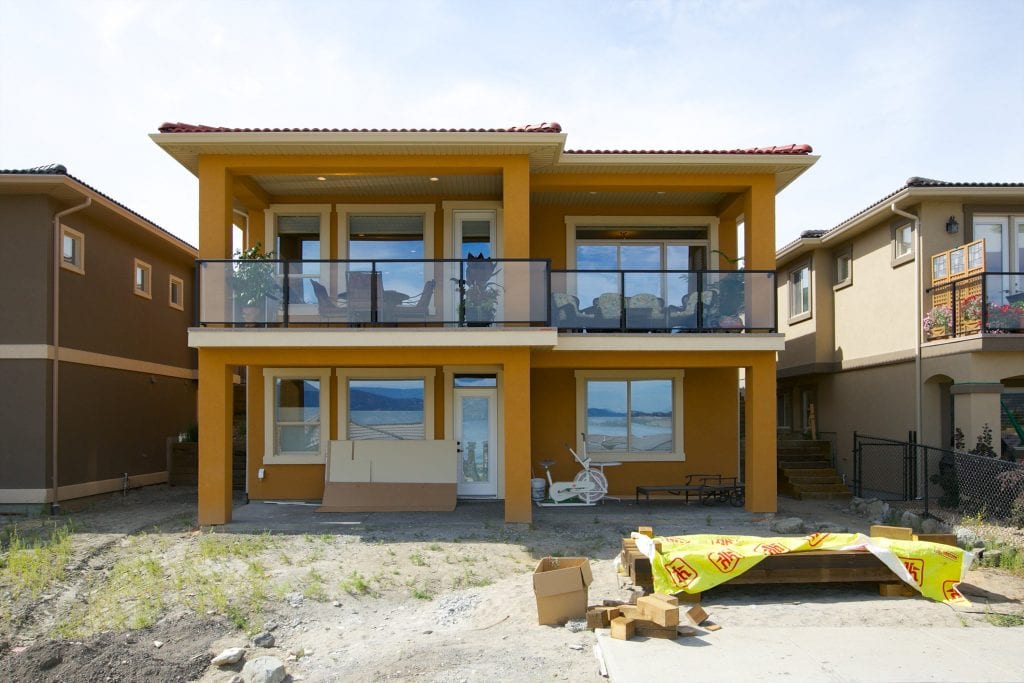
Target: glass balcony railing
x,y
277,293
990,303
663,300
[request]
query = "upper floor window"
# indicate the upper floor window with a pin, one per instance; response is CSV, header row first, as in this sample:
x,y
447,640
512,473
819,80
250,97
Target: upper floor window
x,y
843,268
902,243
143,285
176,293
800,293
1004,242
72,250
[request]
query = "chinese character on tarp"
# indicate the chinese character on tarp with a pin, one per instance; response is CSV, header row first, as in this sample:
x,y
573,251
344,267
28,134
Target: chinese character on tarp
x,y
682,573
725,560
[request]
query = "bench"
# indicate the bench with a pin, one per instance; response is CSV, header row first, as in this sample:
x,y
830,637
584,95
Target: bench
x,y
707,488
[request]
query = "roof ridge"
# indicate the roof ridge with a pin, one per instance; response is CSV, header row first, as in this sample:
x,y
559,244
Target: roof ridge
x,y
179,127
792,149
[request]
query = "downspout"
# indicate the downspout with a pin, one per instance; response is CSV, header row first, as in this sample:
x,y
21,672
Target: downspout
x,y
58,255
918,294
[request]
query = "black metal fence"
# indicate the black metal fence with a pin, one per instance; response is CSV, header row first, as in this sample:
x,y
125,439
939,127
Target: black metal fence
x,y
937,479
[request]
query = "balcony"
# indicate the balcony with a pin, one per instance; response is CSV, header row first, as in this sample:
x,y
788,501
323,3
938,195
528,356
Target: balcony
x,y
676,301
489,293
986,303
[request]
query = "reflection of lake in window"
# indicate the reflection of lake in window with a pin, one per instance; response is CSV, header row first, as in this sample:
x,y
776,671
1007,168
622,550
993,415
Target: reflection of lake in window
x,y
385,409
297,419
626,416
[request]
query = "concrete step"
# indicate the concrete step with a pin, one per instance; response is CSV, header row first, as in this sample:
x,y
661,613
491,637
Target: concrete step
x,y
804,465
796,457
799,480
803,443
808,472
823,496
821,488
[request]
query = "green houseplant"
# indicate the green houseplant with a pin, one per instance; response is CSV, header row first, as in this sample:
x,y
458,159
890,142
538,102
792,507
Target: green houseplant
x,y
479,293
254,281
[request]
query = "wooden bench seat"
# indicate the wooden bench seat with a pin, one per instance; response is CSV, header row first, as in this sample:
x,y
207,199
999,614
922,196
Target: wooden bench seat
x,y
707,488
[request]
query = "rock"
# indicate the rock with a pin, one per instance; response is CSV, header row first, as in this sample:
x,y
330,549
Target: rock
x,y
264,639
158,644
270,626
263,670
50,662
965,538
857,505
877,510
992,558
228,656
576,625
788,525
336,603
911,519
237,678
830,528
932,526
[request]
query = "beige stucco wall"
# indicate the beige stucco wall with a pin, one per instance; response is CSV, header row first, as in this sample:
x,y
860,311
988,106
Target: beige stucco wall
x,y
801,335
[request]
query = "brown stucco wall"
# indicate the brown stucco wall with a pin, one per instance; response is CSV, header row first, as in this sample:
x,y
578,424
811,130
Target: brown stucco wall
x,y
25,269
24,424
99,438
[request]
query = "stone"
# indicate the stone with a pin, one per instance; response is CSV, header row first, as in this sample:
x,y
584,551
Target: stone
x,y
788,525
270,626
831,528
877,511
237,678
228,656
965,538
158,644
911,519
263,670
933,526
264,639
50,662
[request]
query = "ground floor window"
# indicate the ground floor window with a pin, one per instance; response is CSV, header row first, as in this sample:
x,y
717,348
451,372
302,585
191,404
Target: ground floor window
x,y
631,415
385,409
296,401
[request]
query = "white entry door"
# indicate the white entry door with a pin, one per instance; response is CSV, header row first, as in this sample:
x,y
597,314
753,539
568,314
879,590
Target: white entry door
x,y
476,418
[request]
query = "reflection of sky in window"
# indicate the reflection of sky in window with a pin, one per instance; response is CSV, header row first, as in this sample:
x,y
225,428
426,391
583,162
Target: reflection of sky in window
x,y
385,384
407,278
610,396
646,396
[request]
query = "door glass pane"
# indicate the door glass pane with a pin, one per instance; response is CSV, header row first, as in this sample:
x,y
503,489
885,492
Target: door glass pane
x,y
607,415
1018,264
993,232
385,409
596,257
640,256
476,238
475,439
650,415
385,237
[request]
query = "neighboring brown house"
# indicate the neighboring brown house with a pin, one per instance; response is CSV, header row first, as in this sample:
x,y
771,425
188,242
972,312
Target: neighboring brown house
x,y
94,362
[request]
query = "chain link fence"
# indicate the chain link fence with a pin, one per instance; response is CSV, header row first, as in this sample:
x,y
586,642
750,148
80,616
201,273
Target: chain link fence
x,y
937,481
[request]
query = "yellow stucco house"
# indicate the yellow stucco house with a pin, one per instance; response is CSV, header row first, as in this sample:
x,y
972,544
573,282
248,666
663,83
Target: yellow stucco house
x,y
447,309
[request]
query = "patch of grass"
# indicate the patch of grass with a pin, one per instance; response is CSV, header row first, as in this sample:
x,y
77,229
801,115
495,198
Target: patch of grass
x,y
130,597
314,588
356,584
417,560
32,564
216,546
471,579
436,547
420,592
1004,619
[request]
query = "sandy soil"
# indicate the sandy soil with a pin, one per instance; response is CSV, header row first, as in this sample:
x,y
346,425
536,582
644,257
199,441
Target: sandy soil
x,y
366,597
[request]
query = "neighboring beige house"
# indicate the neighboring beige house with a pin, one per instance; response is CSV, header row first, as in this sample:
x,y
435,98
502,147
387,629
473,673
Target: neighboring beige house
x,y
848,305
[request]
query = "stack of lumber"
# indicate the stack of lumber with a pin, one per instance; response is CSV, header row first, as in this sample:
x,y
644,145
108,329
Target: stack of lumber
x,y
653,616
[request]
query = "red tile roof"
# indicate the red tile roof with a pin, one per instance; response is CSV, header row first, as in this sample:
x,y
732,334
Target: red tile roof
x,y
783,149
551,127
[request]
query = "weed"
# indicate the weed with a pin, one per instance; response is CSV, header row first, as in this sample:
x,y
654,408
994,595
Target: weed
x,y
1000,619
216,546
314,589
420,592
356,584
32,565
471,579
436,547
418,560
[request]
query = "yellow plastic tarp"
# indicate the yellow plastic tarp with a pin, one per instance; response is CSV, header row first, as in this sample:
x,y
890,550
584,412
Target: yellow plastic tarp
x,y
696,563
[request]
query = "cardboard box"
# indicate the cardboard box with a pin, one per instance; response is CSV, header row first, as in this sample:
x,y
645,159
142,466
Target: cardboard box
x,y
560,586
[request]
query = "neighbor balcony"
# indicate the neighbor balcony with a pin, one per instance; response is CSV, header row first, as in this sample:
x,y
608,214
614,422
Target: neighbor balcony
x,y
986,303
474,293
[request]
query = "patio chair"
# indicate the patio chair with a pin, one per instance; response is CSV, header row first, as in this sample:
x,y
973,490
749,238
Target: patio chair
x,y
416,308
326,307
607,311
365,296
645,311
566,313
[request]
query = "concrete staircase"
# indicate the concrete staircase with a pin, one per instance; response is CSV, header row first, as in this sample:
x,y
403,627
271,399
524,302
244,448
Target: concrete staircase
x,y
806,472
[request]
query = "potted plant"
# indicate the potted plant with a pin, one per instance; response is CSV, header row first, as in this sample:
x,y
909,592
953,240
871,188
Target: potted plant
x,y
936,323
1003,317
479,294
254,283
970,309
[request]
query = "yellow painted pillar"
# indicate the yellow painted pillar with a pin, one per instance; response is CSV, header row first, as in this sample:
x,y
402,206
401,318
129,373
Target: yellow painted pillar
x,y
759,225
215,411
515,188
727,243
761,445
255,231
215,215
516,402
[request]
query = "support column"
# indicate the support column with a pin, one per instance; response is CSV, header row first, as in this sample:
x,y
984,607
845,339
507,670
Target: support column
x,y
516,402
759,225
515,199
760,471
727,243
216,219
255,230
215,411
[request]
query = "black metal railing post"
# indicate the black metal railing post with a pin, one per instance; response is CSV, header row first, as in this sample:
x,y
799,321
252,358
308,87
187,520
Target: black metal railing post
x,y
984,304
285,294
857,466
622,301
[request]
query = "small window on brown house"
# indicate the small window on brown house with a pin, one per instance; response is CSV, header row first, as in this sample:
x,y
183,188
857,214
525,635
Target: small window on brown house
x,y
176,293
143,284
72,250
842,268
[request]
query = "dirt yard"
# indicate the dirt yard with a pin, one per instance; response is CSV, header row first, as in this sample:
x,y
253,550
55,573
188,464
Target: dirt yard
x,y
128,589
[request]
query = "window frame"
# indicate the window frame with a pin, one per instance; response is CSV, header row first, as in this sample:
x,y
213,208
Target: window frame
x,y
146,292
897,258
798,316
275,211
678,453
839,254
427,375
77,266
270,375
173,280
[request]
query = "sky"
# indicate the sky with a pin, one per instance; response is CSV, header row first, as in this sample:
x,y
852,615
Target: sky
x,y
882,90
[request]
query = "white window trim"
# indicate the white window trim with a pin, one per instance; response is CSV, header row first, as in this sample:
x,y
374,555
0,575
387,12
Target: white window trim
x,y
78,237
426,374
270,457
838,284
678,453
572,223
899,260
147,292
450,208
802,315
171,281
425,210
271,214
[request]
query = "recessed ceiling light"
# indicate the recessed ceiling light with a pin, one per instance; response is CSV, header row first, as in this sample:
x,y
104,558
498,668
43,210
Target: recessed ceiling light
x,y
434,179
592,192
321,178
660,192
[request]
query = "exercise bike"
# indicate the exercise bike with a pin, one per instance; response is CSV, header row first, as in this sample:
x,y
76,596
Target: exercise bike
x,y
588,487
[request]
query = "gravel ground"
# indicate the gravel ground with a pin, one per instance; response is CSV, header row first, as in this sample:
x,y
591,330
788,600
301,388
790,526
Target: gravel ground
x,y
387,596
